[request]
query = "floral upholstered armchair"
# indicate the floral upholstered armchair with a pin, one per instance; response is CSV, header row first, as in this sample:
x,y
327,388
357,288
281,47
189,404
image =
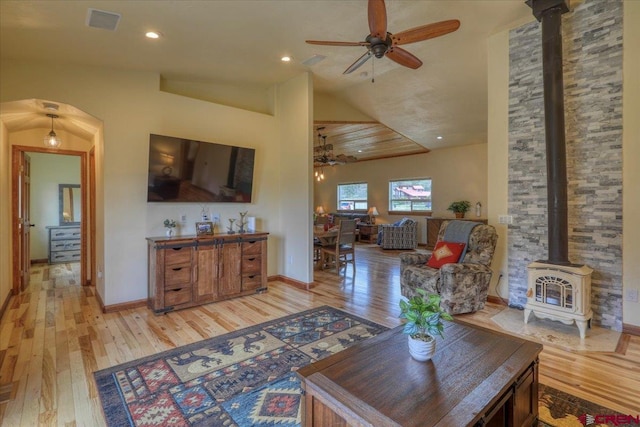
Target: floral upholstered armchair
x,y
400,235
462,286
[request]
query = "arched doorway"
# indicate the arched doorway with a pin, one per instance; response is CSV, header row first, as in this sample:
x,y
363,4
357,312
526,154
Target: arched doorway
x,y
26,123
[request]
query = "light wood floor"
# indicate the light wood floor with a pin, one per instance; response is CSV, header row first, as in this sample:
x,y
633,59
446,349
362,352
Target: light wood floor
x,y
54,336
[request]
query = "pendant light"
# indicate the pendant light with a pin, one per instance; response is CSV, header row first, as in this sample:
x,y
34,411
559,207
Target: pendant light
x,y
51,140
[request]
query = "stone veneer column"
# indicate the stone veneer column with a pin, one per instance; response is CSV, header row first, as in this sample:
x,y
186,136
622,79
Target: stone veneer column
x,y
592,50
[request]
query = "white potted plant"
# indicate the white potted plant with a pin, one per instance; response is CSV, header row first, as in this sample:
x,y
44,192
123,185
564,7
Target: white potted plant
x,y
423,321
169,224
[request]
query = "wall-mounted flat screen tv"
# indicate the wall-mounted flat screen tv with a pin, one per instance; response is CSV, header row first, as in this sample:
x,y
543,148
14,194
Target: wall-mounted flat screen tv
x,y
183,170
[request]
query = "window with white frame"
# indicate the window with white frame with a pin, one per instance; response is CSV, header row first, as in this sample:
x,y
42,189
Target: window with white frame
x,y
352,197
410,195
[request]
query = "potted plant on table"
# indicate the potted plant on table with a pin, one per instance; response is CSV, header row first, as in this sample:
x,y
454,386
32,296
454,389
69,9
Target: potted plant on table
x,y
169,225
460,208
423,321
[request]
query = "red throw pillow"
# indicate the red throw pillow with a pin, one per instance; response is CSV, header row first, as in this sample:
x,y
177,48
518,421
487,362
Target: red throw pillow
x,y
445,253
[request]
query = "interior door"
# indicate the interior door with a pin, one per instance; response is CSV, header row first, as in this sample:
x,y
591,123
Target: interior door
x,y
25,220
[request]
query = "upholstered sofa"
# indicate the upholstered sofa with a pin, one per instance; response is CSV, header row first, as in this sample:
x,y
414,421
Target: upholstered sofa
x,y
401,235
338,216
463,286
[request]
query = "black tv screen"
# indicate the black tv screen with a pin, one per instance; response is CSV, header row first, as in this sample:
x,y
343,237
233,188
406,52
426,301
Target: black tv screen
x,y
183,170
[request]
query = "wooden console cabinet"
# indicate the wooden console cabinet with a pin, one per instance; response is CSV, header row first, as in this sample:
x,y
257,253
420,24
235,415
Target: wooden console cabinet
x,y
186,271
368,233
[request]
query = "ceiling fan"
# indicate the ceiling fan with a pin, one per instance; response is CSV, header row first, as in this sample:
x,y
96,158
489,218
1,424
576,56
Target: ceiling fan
x,y
323,153
381,43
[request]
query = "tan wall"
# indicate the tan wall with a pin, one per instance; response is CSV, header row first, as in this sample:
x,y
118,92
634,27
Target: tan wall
x,y
631,160
5,216
498,155
131,107
457,173
328,108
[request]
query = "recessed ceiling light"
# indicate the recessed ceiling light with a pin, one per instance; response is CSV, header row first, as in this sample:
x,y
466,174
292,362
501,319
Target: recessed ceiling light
x,y
359,151
438,137
285,59
152,35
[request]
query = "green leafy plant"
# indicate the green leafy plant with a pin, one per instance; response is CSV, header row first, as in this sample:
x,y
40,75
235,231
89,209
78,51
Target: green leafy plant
x,y
461,206
423,316
170,223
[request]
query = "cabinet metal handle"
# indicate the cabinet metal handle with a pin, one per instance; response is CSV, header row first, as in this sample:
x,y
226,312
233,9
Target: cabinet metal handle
x,y
177,269
252,259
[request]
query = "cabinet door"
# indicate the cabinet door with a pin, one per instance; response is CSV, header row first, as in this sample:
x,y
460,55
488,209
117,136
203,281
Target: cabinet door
x,y
526,398
230,273
207,275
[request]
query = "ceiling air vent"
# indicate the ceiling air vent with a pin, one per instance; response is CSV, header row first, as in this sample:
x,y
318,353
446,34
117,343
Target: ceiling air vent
x,y
102,19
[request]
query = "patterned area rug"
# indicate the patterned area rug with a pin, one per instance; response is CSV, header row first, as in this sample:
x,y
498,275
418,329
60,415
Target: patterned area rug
x,y
247,377
244,378
559,409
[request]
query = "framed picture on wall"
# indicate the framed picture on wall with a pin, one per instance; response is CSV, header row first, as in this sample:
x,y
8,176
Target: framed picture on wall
x,y
204,228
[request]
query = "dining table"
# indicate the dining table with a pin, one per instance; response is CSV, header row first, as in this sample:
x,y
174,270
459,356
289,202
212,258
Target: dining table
x,y
325,237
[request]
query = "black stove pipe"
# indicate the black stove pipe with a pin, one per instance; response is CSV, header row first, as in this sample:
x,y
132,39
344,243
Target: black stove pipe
x,y
549,13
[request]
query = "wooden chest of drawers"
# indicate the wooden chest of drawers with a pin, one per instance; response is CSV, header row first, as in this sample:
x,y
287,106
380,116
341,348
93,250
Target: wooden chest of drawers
x,y
64,244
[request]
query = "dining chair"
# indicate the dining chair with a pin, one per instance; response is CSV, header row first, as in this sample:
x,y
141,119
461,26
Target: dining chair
x,y
344,246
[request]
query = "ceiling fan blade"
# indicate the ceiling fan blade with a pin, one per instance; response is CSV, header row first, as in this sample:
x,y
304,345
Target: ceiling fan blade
x,y
403,57
425,32
378,19
330,43
364,58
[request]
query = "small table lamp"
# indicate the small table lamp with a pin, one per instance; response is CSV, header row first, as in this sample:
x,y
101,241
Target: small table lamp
x,y
372,212
320,210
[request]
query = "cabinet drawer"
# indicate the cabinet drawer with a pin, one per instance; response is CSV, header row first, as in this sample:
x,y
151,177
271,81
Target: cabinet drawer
x,y
65,233
177,296
65,256
251,281
65,245
252,248
177,275
251,264
177,255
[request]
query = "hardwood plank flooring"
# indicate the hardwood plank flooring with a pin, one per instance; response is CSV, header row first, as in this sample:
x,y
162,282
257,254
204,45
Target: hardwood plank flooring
x,y
54,336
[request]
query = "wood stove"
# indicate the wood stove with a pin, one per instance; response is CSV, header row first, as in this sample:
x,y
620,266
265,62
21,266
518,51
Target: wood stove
x,y
557,289
561,293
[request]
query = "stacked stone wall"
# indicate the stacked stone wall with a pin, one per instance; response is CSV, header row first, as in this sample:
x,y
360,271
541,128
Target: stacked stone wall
x,y
592,61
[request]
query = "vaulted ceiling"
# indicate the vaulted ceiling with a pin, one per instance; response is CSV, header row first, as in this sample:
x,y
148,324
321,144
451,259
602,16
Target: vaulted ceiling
x,y
238,44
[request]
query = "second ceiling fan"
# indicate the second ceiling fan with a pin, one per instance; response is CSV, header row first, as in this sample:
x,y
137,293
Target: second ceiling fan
x,y
381,43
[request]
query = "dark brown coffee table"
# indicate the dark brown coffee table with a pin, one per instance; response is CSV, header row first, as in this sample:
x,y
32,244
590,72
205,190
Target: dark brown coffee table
x,y
477,377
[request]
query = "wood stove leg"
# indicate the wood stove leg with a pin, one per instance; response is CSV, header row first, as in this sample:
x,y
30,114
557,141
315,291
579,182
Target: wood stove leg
x,y
527,314
582,326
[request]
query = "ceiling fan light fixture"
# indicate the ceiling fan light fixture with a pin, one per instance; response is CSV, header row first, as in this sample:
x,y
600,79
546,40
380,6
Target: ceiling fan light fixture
x,y
51,140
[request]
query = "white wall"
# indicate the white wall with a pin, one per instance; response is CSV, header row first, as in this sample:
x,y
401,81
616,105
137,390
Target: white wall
x,y
457,173
131,106
47,171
